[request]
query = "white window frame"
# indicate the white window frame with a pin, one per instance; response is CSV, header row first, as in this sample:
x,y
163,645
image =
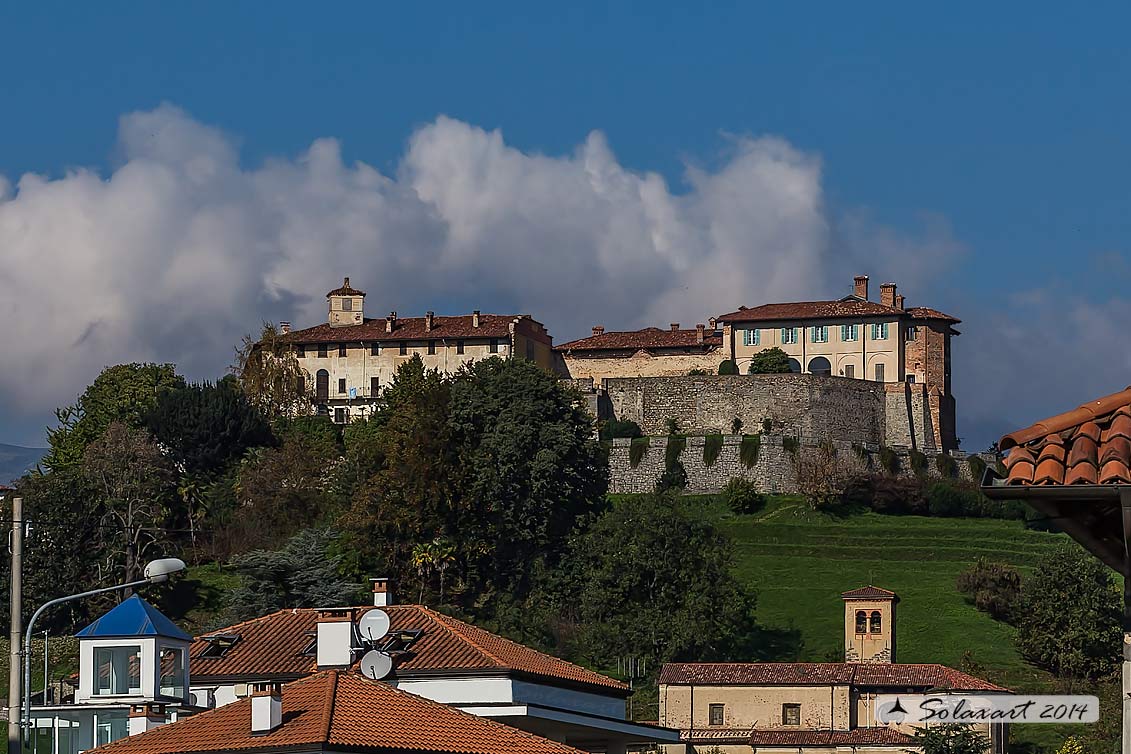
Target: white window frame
x,y
819,334
912,334
789,336
878,372
752,337
879,331
849,333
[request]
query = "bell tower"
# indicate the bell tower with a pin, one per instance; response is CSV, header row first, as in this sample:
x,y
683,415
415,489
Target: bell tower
x,y
869,625
346,305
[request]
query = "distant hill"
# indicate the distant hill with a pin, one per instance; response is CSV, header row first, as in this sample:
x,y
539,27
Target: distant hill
x,y
14,461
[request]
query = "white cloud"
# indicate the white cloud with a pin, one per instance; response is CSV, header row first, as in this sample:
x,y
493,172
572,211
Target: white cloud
x,y
180,250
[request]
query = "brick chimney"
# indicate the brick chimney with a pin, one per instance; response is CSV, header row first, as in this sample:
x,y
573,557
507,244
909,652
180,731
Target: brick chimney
x,y
266,707
334,641
382,591
699,333
887,294
390,321
860,286
429,318
475,318
899,301
284,327
598,329
145,717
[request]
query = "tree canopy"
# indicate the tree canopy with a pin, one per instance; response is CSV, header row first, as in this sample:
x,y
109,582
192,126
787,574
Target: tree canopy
x,y
771,361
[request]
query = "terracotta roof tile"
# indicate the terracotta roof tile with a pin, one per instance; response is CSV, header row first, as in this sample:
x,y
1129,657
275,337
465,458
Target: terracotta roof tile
x,y
415,328
345,290
1090,444
271,647
868,593
648,338
848,308
344,711
926,312
822,674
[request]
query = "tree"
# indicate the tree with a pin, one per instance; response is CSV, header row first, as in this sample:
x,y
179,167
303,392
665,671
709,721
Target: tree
x,y
270,374
206,426
124,393
652,577
134,484
771,361
951,739
303,573
1072,616
992,587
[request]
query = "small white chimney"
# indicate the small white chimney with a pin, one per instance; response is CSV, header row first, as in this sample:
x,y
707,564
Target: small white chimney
x,y
475,318
699,333
390,321
266,707
145,717
335,637
674,326
598,329
284,327
382,591
429,319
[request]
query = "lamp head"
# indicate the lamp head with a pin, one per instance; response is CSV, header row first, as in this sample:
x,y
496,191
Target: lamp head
x,y
157,571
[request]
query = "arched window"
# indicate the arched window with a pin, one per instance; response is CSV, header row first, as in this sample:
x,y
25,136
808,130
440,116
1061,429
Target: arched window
x,y
861,622
795,366
322,386
820,365
877,622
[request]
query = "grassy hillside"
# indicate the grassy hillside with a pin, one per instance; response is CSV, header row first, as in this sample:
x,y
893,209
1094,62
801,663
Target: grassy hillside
x,y
799,562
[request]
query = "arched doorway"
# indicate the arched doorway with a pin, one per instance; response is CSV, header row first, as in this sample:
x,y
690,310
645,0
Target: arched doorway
x,y
322,386
820,365
795,366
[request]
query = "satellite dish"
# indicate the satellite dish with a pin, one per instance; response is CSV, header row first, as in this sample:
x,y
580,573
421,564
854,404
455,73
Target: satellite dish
x,y
376,664
374,625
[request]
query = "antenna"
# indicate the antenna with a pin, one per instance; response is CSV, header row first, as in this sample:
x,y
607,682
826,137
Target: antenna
x,y
373,625
376,665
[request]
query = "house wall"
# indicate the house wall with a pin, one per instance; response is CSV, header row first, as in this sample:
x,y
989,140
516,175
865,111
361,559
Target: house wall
x,y
640,364
822,707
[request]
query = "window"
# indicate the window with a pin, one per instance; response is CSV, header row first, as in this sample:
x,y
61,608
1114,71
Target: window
x,y
118,670
789,335
752,337
301,384
342,385
218,645
173,672
431,348
912,333
340,415
374,349
791,714
861,622
494,345
879,372
910,379
374,386
849,371
880,331
459,346
322,386
322,351
347,304
849,333
876,623
300,351
819,334
403,348
715,711
342,349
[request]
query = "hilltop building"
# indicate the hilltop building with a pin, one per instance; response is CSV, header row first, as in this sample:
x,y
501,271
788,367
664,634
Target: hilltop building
x,y
350,358
810,707
650,352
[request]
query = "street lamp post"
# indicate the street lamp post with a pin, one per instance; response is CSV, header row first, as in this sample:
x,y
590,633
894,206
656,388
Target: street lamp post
x,y
156,571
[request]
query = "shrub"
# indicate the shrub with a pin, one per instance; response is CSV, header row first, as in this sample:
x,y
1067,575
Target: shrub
x,y
977,468
673,478
742,496
637,450
821,477
770,361
712,446
953,498
897,496
728,367
889,460
790,445
748,450
615,428
767,425
675,446
993,588
698,372
946,465
673,425
918,462
736,426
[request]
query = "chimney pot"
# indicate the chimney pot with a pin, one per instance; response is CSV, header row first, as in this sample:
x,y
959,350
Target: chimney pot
x,y
382,592
713,324
860,286
475,318
346,283
674,326
699,333
284,327
429,317
145,717
266,707
887,294
899,301
598,329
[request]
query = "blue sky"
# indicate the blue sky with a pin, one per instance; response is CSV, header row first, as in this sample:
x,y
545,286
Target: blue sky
x,y
989,140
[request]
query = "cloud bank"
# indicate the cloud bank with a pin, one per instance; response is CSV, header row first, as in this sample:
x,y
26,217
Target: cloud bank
x,y
181,249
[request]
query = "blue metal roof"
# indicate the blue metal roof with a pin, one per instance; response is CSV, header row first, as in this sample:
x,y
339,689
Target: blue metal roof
x,y
133,617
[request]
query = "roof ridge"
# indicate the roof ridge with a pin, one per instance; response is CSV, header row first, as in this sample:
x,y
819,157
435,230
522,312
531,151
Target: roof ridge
x,y
1083,413
433,614
328,709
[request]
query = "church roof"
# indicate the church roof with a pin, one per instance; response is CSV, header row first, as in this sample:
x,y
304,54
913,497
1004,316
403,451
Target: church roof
x,y
868,593
133,617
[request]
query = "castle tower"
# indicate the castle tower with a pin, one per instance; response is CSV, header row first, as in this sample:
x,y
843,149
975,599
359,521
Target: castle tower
x,y
869,625
346,305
